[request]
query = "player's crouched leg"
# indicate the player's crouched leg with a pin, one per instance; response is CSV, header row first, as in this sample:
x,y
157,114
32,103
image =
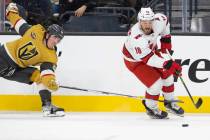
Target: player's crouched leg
x,y
48,109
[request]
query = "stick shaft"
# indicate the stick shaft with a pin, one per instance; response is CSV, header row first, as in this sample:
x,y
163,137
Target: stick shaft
x,y
117,94
185,86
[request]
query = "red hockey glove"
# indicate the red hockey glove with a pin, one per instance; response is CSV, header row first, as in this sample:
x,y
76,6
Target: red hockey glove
x,y
172,67
166,43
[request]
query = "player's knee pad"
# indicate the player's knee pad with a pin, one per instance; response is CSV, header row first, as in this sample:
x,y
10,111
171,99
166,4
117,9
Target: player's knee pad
x,y
168,88
168,81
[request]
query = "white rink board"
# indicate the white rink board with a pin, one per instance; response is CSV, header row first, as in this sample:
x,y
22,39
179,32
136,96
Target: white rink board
x,y
95,62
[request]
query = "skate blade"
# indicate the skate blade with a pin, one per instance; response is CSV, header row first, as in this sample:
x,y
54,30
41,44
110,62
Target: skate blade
x,y
57,114
157,118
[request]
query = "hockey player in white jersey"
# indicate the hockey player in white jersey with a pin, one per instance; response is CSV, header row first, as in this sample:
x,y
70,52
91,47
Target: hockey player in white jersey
x,y
142,58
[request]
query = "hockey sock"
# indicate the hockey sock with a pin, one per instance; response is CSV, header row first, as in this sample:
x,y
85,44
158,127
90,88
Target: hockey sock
x,y
45,97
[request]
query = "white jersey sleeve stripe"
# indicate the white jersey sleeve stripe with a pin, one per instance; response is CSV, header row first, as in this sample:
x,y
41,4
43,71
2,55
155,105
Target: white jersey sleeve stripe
x,y
47,72
19,24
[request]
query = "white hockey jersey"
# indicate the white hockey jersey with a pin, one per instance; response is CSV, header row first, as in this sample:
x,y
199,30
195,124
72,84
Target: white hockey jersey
x,y
140,47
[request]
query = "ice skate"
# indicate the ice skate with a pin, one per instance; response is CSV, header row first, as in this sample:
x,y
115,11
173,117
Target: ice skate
x,y
52,111
174,109
155,113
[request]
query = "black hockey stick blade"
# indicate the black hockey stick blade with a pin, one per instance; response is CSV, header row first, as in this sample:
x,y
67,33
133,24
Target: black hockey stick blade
x,y
199,103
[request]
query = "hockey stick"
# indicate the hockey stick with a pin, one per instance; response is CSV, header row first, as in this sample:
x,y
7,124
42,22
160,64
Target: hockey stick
x,y
118,94
200,101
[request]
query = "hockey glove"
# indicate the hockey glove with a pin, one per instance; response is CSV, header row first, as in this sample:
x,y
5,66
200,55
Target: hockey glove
x,y
35,77
12,7
166,43
172,67
50,82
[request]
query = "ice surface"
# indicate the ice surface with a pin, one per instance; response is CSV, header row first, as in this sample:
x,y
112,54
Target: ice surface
x,y
102,126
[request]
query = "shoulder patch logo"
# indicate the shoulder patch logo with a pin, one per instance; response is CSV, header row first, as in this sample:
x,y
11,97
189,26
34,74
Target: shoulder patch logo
x,y
27,51
33,35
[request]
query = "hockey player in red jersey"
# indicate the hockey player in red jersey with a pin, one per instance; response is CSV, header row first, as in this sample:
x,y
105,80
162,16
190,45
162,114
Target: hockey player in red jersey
x,y
142,58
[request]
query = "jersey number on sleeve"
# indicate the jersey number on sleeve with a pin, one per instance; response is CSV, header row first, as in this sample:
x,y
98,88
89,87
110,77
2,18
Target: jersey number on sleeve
x,y
138,50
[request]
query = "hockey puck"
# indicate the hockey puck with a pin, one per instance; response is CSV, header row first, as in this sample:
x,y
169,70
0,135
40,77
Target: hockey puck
x,y
185,125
